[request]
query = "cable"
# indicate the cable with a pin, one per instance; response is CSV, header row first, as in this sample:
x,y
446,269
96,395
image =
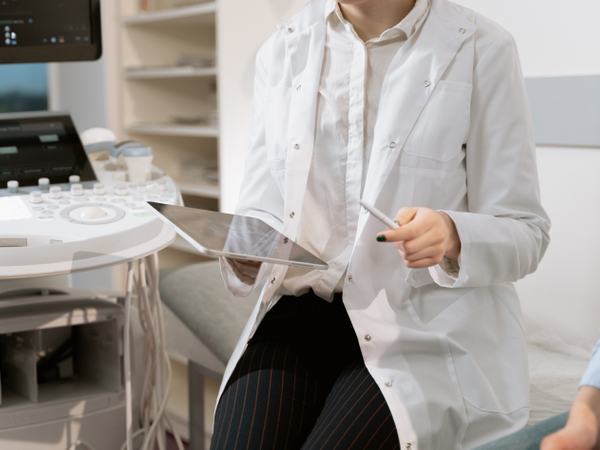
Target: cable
x,y
143,280
127,357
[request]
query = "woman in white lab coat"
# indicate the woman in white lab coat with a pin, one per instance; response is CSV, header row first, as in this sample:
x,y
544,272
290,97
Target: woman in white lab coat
x,y
418,108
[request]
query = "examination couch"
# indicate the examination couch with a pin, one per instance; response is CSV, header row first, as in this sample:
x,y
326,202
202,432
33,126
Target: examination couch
x,y
197,297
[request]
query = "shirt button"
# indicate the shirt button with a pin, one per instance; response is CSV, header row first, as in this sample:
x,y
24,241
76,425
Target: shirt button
x,y
368,337
290,29
392,145
427,83
292,215
350,278
273,280
286,240
296,146
299,87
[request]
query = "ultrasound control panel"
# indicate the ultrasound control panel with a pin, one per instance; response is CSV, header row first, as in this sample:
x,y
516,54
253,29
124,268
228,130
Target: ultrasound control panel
x,y
44,146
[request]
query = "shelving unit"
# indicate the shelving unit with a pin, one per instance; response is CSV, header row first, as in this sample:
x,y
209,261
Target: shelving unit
x,y
184,15
157,73
168,83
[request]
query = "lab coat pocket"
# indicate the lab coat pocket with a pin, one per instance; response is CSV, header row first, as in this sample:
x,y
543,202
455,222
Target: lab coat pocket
x,y
487,347
442,129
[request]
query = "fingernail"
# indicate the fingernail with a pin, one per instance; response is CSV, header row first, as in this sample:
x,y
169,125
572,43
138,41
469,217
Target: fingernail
x,y
381,238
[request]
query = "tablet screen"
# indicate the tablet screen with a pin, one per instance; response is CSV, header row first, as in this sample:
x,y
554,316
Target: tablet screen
x,y
218,234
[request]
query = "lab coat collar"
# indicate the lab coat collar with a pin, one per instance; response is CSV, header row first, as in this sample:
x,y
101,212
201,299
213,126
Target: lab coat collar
x,y
404,94
406,27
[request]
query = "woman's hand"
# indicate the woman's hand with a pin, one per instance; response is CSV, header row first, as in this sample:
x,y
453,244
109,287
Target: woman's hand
x,y
424,238
246,271
582,429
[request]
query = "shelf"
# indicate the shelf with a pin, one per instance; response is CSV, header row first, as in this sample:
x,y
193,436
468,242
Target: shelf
x,y
195,14
206,190
173,130
169,72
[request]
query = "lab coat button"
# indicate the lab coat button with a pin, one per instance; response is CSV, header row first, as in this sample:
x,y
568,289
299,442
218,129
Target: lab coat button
x,y
462,30
299,87
296,146
388,383
273,280
350,278
408,446
292,215
427,83
368,337
392,145
290,29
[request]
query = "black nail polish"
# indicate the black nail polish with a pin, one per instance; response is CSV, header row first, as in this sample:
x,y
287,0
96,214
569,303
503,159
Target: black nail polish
x,y
381,238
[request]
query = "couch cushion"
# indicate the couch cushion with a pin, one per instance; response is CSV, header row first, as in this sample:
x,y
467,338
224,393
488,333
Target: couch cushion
x,y
196,294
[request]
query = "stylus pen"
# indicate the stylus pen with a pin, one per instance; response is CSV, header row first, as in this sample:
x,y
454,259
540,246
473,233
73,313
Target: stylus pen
x,y
392,225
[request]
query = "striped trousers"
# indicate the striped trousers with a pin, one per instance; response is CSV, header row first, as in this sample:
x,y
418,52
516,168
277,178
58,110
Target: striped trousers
x,y
302,384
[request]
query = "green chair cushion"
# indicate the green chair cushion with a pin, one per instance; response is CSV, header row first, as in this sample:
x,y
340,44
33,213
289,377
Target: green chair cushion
x,y
197,295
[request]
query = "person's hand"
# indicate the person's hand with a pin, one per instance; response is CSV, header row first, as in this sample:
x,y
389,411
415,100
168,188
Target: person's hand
x,y
424,238
581,431
246,271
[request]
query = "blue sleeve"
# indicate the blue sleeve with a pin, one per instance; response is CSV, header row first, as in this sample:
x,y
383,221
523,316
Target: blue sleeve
x,y
592,374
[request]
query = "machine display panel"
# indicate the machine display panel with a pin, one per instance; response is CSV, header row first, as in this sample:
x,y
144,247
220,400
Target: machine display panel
x,y
49,30
43,145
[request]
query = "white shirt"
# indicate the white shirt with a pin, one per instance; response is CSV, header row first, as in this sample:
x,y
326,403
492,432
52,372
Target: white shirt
x,y
348,105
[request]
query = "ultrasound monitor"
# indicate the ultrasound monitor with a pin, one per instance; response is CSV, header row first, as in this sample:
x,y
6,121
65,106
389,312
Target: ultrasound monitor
x,y
49,31
41,145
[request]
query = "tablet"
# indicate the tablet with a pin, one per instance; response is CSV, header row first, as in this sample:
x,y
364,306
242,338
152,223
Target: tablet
x,y
217,234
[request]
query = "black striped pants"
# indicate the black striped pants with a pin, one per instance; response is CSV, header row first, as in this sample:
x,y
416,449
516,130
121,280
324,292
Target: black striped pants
x,y
302,384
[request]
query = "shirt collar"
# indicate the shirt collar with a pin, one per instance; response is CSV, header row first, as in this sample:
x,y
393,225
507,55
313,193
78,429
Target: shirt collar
x,y
406,27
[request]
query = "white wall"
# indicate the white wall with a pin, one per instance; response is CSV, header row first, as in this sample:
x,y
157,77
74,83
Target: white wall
x,y
561,38
242,27
87,90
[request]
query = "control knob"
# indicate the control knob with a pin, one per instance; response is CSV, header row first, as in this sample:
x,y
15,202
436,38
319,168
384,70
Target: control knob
x,y
35,197
77,189
44,184
55,192
13,186
121,190
99,189
74,179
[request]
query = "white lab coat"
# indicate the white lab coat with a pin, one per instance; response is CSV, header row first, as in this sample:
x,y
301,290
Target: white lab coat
x,y
448,355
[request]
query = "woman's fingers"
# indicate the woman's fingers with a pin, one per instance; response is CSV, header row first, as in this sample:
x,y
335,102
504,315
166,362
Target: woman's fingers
x,y
423,263
405,215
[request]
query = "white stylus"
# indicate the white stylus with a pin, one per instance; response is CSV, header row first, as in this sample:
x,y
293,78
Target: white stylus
x,y
380,216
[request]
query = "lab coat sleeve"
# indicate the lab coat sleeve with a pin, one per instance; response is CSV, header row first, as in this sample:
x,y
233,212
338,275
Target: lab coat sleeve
x,y
505,231
592,374
259,197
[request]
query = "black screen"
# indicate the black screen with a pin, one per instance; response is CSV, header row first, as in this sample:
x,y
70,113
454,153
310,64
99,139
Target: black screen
x,y
49,30
41,145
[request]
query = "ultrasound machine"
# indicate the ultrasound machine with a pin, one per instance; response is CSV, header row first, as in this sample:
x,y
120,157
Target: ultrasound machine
x,y
69,379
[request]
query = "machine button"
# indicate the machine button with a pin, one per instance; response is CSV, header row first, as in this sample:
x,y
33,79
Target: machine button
x,y
121,190
13,186
44,184
99,189
77,190
35,197
55,192
74,179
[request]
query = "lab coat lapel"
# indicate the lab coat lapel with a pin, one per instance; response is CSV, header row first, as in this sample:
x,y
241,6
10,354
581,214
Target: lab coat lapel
x,y
412,77
306,50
